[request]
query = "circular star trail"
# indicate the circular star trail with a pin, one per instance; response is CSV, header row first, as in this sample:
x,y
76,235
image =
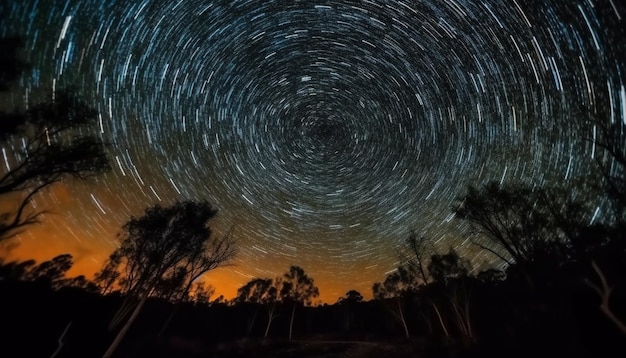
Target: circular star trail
x,y
323,130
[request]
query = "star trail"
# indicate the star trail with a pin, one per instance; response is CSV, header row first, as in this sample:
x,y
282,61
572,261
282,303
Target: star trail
x,y
323,131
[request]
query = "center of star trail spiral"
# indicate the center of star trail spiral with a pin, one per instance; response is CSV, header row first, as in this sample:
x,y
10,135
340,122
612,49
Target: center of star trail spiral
x,y
325,130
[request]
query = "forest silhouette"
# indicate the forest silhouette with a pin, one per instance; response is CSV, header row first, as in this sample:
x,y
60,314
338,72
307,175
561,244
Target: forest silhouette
x,y
561,289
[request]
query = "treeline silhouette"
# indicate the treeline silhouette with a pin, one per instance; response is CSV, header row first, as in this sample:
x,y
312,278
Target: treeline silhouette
x,y
562,291
557,286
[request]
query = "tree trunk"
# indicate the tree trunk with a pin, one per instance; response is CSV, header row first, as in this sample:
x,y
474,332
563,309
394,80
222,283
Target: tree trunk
x,y
251,322
293,313
124,330
168,321
443,326
270,318
60,340
401,314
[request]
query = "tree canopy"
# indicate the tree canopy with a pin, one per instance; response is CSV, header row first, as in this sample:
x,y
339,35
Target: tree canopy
x,y
42,145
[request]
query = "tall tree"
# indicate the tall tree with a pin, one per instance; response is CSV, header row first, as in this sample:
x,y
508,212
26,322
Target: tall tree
x,y
351,299
42,145
259,291
450,288
521,224
394,289
443,267
415,255
161,244
297,288
108,275
213,254
177,285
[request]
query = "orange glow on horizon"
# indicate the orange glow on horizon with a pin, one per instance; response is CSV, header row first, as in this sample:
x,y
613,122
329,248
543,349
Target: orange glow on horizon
x,y
40,242
66,229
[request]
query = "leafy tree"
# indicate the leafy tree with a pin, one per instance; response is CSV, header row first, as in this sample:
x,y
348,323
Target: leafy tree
x,y
490,276
51,272
213,254
158,247
81,282
451,274
446,266
351,297
263,292
43,145
202,292
41,152
395,288
16,270
521,224
348,302
298,288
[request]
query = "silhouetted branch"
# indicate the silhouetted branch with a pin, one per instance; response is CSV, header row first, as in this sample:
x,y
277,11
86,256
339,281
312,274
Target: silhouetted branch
x,y
605,294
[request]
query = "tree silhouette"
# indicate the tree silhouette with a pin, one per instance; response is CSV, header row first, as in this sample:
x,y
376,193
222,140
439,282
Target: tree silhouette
x,y
604,291
521,224
202,292
42,151
177,286
352,298
51,272
213,254
263,292
16,270
443,267
449,293
43,145
108,275
298,289
81,282
157,247
395,289
610,140
415,256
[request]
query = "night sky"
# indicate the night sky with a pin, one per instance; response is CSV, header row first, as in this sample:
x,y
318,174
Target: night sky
x,y
323,131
